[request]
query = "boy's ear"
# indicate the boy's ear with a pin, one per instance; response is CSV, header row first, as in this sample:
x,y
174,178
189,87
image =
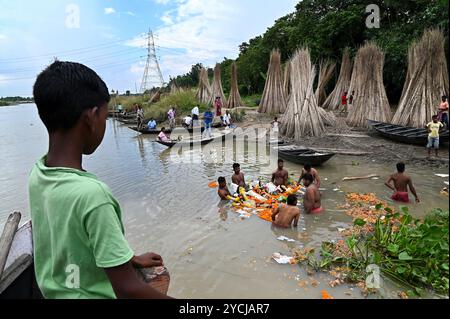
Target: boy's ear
x,y
90,116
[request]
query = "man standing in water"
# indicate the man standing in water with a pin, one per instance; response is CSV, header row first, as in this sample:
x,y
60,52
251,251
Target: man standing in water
x,y
238,176
311,201
401,183
284,215
280,176
307,169
223,191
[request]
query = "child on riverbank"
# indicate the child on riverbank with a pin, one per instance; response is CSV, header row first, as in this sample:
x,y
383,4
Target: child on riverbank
x,y
80,250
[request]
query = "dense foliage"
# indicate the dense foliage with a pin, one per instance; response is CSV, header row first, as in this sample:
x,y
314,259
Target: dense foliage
x,y
327,27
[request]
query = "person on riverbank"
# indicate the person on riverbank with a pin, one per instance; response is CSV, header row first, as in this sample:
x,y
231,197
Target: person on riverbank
x,y
443,112
77,223
275,126
223,191
312,200
208,118
187,121
162,135
401,183
152,124
171,117
140,117
218,105
434,128
344,103
307,169
351,99
238,177
280,176
284,215
195,115
227,119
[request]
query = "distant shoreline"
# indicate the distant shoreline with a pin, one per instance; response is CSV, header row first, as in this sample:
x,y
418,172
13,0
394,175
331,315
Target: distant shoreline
x,y
2,103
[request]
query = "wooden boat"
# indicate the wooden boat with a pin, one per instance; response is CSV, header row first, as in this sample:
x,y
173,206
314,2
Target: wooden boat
x,y
17,276
303,155
404,134
191,142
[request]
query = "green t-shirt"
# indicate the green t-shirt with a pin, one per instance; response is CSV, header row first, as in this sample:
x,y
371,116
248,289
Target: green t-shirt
x,y
77,230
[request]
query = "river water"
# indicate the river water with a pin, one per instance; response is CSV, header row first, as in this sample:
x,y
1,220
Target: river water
x,y
168,208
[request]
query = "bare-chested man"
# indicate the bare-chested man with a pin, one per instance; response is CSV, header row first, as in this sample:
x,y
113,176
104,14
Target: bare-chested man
x,y
238,176
307,169
281,176
223,191
284,215
311,201
401,184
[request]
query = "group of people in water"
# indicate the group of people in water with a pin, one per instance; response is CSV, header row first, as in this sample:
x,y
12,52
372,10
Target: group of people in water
x,y
284,215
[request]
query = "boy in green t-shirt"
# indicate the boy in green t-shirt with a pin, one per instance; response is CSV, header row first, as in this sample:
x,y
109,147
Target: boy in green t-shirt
x,y
79,246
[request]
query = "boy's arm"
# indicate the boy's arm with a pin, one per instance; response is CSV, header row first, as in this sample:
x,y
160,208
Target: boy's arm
x,y
413,190
127,285
301,177
388,183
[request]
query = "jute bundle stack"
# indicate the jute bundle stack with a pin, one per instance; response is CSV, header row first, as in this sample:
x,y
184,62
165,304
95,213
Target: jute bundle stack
x,y
204,88
273,100
302,117
426,82
325,73
371,102
342,85
234,100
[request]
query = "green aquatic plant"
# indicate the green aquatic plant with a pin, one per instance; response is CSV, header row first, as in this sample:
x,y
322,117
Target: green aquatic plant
x,y
411,251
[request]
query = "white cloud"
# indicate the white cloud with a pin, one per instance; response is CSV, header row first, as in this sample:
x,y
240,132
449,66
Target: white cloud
x,y
3,37
110,10
130,13
161,1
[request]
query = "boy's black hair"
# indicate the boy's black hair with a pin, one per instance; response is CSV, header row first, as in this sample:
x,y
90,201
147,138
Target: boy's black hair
x,y
64,90
163,129
401,167
292,200
276,118
308,177
280,161
236,165
435,117
307,166
221,180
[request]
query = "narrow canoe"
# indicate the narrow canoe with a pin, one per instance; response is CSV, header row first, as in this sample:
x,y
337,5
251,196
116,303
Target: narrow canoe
x,y
304,156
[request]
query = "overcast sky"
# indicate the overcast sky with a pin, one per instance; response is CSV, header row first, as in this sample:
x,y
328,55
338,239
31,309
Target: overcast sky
x,y
107,35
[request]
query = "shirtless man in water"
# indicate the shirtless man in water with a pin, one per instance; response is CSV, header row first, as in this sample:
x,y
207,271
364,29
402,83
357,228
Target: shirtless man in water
x,y
307,169
281,176
312,202
284,215
238,176
401,184
223,191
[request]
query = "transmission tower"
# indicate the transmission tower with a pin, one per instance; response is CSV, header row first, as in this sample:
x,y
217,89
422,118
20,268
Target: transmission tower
x,y
152,73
